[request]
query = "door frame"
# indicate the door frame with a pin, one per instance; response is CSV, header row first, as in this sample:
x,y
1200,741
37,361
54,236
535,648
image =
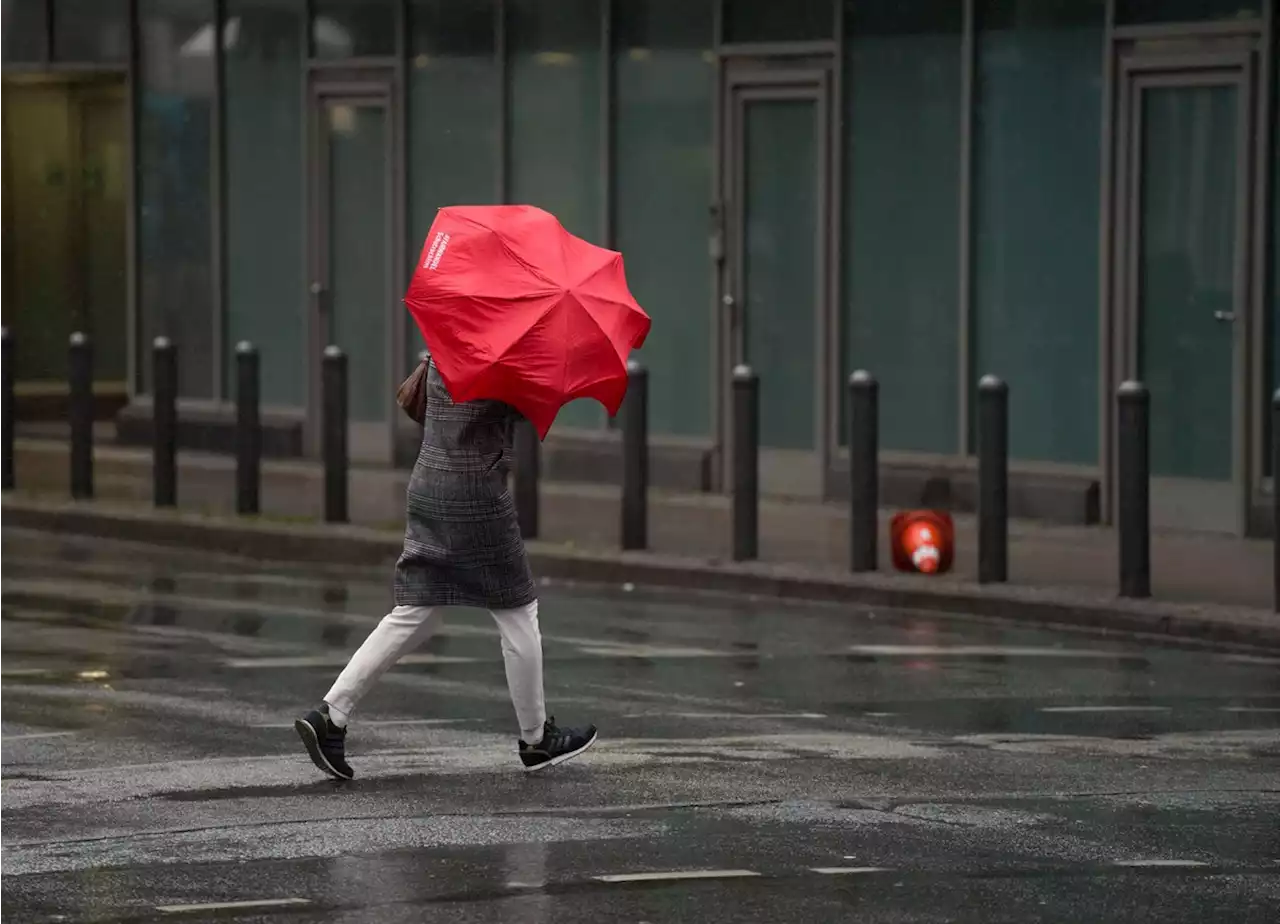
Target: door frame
x,y
1235,64
744,80
374,86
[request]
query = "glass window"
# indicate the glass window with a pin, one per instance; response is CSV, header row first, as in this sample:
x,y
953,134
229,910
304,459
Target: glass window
x,y
554,135
353,28
22,32
1038,90
664,88
90,30
454,113
175,102
263,135
1272,361
40,283
901,215
1140,12
770,21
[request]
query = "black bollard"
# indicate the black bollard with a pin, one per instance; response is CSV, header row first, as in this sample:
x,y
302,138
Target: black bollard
x,y
635,458
1275,493
864,470
248,429
993,480
334,434
80,414
746,464
1133,488
164,422
528,452
7,411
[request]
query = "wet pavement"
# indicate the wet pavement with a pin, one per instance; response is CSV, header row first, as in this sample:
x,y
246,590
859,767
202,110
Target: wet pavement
x,y
756,763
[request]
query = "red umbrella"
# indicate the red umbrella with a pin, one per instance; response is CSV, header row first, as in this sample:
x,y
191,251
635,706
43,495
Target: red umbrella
x,y
515,308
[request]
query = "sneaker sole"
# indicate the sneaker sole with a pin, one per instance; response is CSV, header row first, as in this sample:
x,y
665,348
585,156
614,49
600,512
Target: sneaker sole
x,y
312,744
568,755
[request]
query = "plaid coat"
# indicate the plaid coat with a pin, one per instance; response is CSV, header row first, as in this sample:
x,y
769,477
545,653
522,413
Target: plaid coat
x,y
462,543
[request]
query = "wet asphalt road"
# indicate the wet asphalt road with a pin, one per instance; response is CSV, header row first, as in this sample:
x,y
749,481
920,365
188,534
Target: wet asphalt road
x,y
756,762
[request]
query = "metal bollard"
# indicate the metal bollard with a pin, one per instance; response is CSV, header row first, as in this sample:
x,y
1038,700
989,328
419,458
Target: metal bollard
x,y
635,458
248,429
864,470
1134,488
8,409
164,422
528,470
746,464
80,413
1275,493
993,480
334,434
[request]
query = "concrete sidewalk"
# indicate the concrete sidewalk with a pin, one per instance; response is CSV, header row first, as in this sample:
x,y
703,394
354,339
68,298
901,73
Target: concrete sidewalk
x,y
1185,566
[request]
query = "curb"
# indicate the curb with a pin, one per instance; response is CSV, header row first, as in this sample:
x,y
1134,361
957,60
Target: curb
x,y
359,546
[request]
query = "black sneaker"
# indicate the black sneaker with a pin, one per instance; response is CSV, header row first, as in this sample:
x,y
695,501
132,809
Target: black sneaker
x,y
326,742
557,746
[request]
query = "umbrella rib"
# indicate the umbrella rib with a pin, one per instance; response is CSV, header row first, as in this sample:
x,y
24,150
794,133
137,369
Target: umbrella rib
x,y
534,270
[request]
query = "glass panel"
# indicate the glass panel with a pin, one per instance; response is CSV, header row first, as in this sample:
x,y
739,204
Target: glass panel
x,y
1186,273
454,112
9,238
266,302
902,216
358,251
1272,361
1138,12
770,21
555,124
1036,200
780,247
663,95
22,30
37,200
90,30
175,104
353,28
101,124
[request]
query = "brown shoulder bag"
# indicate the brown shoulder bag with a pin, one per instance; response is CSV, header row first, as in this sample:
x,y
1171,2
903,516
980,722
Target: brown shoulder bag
x,y
412,394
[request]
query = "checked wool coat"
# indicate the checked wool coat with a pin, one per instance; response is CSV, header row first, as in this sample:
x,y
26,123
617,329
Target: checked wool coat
x,y
462,543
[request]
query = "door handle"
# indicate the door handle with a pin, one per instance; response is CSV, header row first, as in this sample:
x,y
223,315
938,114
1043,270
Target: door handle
x,y
1224,315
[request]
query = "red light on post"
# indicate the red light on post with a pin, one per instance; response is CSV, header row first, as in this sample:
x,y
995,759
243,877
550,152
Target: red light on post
x,y
923,541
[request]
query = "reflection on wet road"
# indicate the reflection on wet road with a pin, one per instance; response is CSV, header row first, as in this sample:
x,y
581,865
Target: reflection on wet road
x,y
757,762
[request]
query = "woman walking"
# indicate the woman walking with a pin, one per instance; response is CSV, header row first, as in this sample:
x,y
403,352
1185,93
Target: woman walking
x,y
462,547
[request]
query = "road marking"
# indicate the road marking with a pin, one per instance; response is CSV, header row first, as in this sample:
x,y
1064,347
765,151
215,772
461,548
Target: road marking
x,y
377,723
61,734
1251,710
1068,710
227,906
676,875
620,650
724,715
1160,864
848,870
336,661
979,651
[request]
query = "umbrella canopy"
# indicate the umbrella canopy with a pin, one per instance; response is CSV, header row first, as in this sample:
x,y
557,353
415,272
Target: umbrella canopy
x,y
514,308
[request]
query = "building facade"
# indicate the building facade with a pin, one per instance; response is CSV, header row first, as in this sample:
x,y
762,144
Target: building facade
x,y
1063,193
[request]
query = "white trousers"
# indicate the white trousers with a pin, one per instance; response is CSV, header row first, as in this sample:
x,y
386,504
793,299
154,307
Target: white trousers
x,y
407,627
